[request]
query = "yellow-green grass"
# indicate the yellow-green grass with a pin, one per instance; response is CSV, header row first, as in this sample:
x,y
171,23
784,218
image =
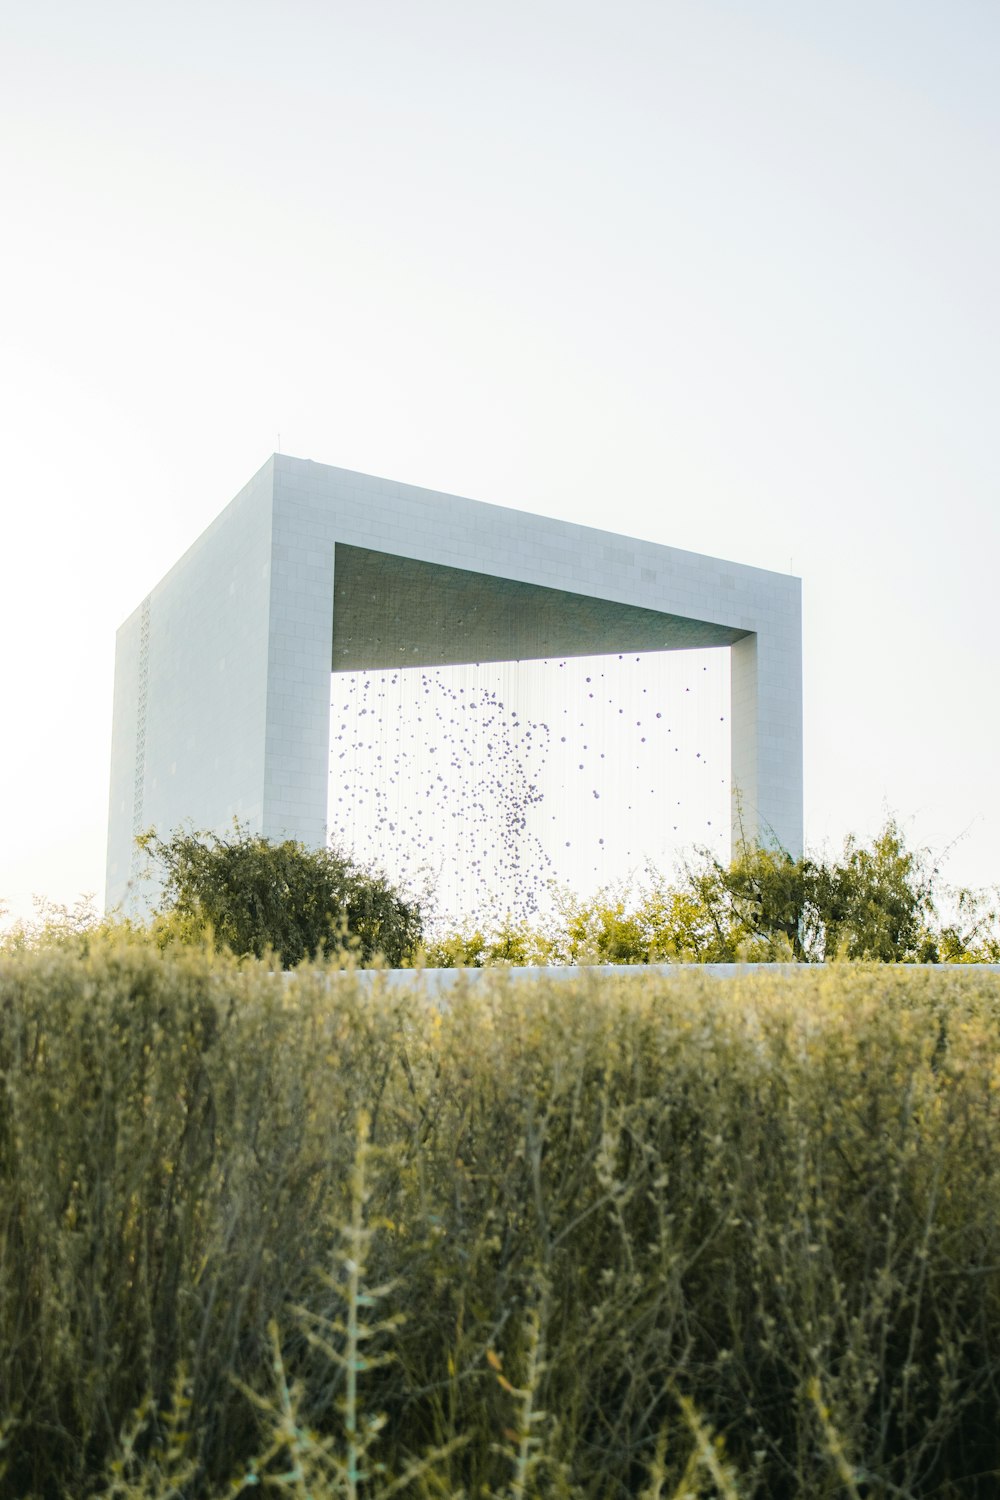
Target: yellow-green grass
x,y
595,1238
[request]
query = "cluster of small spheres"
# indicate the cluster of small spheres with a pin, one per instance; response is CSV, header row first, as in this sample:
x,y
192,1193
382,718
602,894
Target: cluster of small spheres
x,y
455,779
479,805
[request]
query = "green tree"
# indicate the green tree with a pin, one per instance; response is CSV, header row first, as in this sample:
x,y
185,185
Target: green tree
x,y
254,896
877,903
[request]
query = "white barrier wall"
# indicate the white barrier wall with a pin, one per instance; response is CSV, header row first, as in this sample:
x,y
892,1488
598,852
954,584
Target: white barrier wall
x,y
222,679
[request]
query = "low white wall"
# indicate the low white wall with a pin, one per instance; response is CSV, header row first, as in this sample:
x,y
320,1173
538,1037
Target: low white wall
x,y
437,981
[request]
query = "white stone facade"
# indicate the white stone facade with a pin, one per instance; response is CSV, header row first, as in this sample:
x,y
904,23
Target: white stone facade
x,y
222,680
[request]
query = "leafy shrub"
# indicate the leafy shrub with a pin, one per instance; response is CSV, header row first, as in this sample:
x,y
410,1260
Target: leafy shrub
x,y
878,903
650,1235
252,896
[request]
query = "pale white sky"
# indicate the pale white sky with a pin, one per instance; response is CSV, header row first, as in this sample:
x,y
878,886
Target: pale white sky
x,y
720,275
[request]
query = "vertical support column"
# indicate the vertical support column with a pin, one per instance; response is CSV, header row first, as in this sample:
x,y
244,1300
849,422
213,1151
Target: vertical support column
x,y
767,740
744,718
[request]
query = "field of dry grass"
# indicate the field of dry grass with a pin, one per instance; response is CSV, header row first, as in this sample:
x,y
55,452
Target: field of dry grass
x,y
589,1238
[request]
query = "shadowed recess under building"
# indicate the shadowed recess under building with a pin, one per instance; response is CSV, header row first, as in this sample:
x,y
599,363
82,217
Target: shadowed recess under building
x,y
396,612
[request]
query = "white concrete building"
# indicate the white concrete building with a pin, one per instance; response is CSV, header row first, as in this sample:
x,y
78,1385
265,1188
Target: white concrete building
x,y
222,676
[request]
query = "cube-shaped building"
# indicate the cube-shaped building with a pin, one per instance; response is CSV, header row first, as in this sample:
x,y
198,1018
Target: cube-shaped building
x,y
222,675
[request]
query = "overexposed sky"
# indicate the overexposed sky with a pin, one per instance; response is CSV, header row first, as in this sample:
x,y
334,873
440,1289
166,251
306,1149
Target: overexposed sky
x,y
720,275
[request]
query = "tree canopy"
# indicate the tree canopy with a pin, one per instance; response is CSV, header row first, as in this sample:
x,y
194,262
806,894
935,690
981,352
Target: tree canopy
x,y
256,896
